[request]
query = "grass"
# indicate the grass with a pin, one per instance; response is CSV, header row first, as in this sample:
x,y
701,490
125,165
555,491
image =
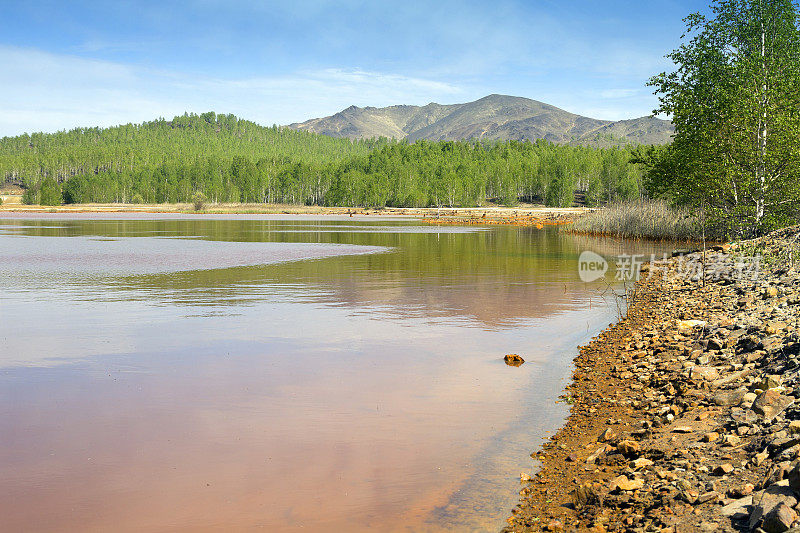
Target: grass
x,y
640,219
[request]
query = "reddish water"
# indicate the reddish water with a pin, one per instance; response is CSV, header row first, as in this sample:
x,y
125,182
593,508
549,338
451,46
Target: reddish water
x,y
278,375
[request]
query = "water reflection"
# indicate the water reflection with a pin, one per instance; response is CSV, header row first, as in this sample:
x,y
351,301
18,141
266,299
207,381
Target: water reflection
x,y
279,373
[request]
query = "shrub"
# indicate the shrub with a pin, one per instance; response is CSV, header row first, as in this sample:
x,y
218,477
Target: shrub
x,y
648,219
50,193
199,201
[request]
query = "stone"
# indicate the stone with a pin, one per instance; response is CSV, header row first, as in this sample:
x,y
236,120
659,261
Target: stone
x,y
774,327
779,519
731,440
682,429
794,477
624,484
760,457
704,373
688,495
710,496
585,495
730,398
773,495
768,382
513,359
597,454
723,469
641,463
747,344
710,437
738,509
686,326
770,403
628,447
607,435
772,292
715,344
741,491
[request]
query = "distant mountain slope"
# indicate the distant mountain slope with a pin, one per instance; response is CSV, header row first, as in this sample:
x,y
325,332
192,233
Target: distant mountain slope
x,y
494,117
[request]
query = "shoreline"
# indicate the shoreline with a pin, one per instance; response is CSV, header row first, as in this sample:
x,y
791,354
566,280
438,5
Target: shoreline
x,y
684,414
522,214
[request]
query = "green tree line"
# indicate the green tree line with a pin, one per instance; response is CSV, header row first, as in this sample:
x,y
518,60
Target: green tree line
x,y
227,159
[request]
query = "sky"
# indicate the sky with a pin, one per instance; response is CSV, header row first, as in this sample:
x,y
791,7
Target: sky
x,y
101,63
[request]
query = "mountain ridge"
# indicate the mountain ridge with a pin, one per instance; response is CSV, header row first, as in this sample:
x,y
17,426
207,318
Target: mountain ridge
x,y
493,117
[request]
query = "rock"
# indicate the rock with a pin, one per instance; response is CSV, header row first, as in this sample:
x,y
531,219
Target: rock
x,y
710,437
747,344
598,453
770,403
585,495
703,373
688,495
513,359
779,519
731,440
686,326
738,509
770,498
523,477
682,429
789,453
641,463
794,426
742,491
607,435
624,484
729,398
768,382
555,525
721,470
794,477
772,292
774,327
710,496
760,457
714,344
628,447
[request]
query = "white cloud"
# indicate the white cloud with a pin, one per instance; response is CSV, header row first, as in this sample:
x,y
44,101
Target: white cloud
x,y
40,91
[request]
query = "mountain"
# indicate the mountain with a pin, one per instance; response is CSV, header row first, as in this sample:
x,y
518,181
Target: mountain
x,y
493,117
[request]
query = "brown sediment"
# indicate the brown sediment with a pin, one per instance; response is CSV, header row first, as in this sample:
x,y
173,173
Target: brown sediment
x,y
684,414
538,219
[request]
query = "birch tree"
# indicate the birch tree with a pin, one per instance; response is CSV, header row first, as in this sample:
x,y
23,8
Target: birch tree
x,y
735,102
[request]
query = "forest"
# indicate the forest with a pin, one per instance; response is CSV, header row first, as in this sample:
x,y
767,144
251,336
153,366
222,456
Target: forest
x,y
227,159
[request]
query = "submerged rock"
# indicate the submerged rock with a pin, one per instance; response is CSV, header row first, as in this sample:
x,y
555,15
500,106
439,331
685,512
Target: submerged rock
x,y
513,359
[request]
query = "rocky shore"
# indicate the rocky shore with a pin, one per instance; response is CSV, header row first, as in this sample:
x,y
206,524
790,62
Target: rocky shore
x,y
686,413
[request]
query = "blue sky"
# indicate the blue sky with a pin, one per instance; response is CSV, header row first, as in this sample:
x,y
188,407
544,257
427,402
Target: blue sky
x,y
84,63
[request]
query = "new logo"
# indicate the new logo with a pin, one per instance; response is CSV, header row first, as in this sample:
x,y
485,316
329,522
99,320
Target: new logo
x,y
591,266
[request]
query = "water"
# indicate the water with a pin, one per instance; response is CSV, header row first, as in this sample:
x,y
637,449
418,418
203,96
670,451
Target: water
x,y
210,373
